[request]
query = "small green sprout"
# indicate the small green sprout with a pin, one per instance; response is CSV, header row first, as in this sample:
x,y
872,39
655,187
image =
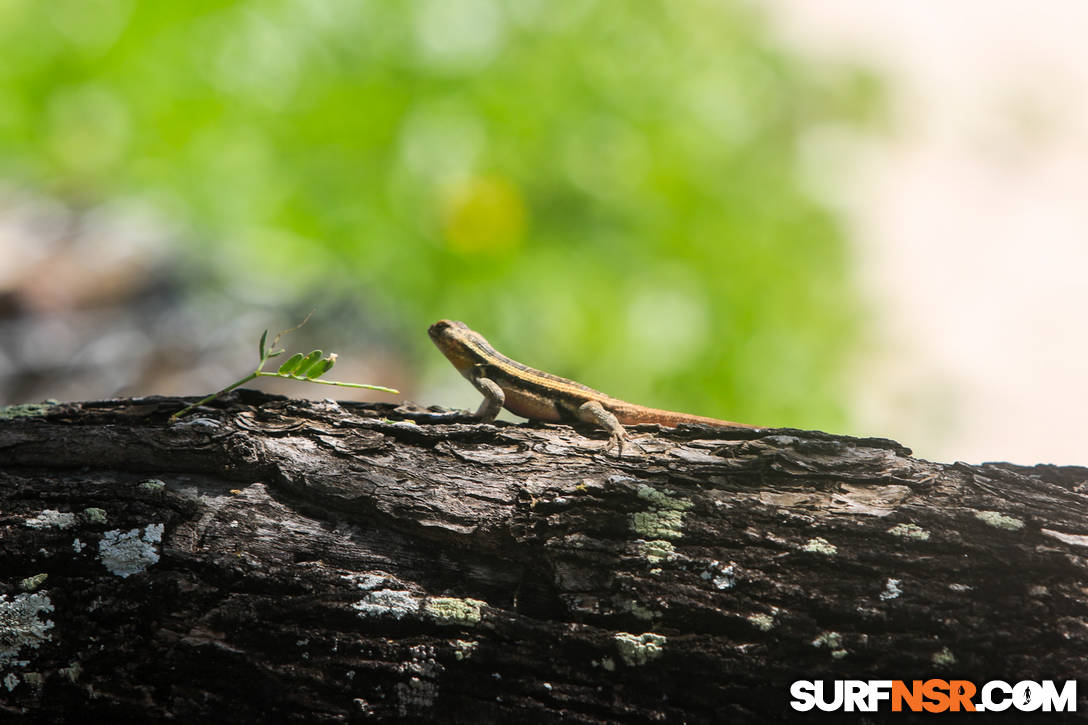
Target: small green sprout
x,y
307,368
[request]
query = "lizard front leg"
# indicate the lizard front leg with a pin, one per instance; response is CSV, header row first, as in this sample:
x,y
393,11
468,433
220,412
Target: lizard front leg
x,y
593,412
493,400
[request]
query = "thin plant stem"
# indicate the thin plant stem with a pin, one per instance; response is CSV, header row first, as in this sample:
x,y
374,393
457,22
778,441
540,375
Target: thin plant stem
x,y
379,388
253,375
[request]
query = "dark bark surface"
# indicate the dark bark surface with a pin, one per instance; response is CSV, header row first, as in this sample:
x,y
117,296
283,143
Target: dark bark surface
x,y
282,560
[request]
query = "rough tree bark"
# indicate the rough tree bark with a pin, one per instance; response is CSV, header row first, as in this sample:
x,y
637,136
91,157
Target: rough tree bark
x,y
281,560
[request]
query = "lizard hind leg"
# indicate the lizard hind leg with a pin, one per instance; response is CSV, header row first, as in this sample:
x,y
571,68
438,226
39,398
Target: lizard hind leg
x,y
593,412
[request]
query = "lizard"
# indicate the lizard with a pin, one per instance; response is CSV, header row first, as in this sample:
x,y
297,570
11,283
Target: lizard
x,y
537,395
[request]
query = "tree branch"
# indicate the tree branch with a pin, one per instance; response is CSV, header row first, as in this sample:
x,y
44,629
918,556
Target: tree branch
x,y
320,562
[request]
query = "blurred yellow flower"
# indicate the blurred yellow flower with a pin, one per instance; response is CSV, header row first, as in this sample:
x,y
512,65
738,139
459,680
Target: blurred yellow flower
x,y
483,214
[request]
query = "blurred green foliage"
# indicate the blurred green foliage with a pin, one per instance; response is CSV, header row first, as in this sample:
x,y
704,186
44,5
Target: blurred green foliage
x,y
611,191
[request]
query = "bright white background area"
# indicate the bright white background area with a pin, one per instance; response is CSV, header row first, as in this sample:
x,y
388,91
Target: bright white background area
x,y
970,220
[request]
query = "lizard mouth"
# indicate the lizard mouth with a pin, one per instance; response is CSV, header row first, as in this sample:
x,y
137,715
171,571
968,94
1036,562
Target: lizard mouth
x,y
439,328
435,330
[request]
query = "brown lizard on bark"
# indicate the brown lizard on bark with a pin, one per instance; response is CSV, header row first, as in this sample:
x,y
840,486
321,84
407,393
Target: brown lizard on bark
x,y
537,395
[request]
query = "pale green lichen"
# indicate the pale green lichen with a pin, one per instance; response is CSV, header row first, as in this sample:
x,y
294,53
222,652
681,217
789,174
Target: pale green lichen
x,y
943,658
71,672
607,663
658,523
762,621
820,545
664,519
25,410
11,681
393,603
656,551
999,520
95,515
661,499
33,582
464,649
831,640
153,485
638,649
125,553
52,519
838,654
640,611
451,610
909,531
22,624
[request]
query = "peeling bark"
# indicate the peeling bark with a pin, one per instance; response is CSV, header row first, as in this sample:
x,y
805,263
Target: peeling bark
x,y
283,560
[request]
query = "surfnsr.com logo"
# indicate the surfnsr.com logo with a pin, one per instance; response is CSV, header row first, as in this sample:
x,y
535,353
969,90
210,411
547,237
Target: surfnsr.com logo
x,y
933,696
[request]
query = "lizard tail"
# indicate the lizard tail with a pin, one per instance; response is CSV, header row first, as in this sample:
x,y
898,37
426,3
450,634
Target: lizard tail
x,y
636,414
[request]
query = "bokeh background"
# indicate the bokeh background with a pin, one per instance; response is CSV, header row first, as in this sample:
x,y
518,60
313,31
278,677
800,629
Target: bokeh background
x,y
855,217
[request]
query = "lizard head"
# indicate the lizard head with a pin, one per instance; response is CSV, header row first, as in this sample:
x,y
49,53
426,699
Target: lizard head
x,y
458,343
